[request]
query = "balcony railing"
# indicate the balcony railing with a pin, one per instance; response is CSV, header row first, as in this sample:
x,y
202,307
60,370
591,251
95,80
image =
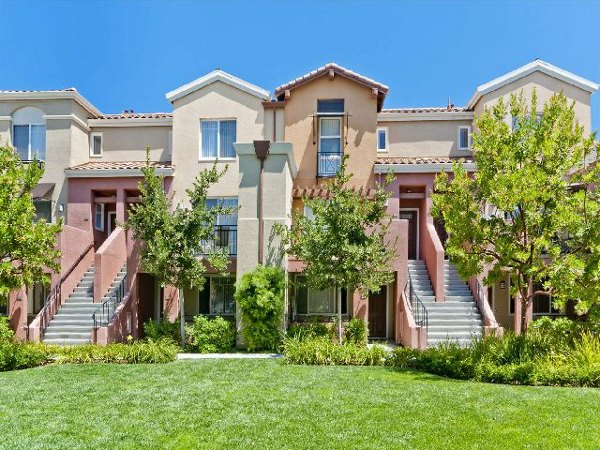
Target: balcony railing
x,y
328,163
225,239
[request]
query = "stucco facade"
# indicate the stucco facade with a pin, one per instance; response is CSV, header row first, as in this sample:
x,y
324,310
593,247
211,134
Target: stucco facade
x,y
93,166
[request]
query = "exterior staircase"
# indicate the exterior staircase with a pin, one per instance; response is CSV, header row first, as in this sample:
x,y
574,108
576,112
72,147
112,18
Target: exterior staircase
x,y
457,318
73,323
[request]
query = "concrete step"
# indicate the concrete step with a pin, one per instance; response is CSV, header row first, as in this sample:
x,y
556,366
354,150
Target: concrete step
x,y
65,334
65,341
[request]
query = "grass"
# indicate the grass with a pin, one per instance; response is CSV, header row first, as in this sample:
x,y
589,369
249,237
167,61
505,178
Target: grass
x,y
265,404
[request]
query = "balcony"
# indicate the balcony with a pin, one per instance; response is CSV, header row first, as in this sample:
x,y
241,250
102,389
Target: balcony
x,y
328,163
225,239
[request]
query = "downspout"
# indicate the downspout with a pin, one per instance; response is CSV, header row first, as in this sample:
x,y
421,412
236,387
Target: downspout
x,y
261,148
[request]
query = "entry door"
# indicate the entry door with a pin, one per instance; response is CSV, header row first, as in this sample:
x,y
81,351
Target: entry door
x,y
412,217
112,222
377,313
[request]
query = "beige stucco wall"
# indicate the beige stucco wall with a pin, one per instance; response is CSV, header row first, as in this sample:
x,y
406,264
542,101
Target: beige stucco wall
x,y
424,138
545,87
66,142
215,101
129,143
501,304
358,102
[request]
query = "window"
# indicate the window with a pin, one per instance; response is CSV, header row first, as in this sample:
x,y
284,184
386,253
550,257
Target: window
x,y
43,210
382,140
217,138
330,146
225,227
96,144
464,138
332,107
217,297
542,304
29,133
308,213
312,302
99,216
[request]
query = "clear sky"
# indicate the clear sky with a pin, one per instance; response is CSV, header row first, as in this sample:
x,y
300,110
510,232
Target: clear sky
x,y
128,54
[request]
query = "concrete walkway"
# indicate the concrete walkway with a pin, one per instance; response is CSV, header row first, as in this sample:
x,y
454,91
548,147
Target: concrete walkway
x,y
228,356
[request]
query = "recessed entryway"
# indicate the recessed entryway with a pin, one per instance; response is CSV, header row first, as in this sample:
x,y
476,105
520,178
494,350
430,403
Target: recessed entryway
x,y
378,313
412,215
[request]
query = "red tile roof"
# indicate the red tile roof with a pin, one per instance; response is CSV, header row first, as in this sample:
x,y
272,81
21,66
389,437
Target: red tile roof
x,y
422,160
121,165
157,115
324,70
323,192
424,110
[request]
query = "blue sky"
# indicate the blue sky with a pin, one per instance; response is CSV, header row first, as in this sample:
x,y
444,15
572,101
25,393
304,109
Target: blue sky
x,y
128,54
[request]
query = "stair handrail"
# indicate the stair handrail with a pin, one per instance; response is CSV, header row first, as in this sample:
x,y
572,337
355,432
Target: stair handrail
x,y
53,299
104,313
419,310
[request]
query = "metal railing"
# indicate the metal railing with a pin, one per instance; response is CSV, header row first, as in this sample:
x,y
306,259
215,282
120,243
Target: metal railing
x,y
328,163
419,310
105,312
225,238
53,299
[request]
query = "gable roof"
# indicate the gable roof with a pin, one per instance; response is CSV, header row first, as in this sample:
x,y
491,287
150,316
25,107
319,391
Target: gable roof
x,y
68,93
213,77
535,66
333,68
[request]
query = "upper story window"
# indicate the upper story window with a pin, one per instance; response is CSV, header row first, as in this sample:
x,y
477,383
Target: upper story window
x,y
330,146
99,216
464,138
382,140
96,144
217,138
29,133
225,236
332,107
43,210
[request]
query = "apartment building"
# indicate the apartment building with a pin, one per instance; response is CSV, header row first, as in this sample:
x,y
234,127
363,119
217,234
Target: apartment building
x,y
279,147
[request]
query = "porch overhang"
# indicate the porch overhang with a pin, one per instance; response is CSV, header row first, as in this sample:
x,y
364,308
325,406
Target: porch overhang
x,y
117,169
420,168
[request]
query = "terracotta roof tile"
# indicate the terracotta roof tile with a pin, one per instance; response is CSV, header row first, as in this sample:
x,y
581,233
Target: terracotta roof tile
x,y
157,115
424,110
422,160
121,165
323,192
323,70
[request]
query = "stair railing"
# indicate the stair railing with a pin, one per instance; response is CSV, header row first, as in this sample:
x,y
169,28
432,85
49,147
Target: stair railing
x,y
418,308
53,299
104,313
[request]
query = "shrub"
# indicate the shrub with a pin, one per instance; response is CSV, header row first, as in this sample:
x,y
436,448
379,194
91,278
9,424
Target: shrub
x,y
164,329
323,351
20,355
261,294
6,333
356,331
311,330
211,335
543,356
140,352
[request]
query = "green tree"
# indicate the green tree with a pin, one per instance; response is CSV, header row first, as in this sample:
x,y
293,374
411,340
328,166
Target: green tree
x,y
175,238
343,244
27,246
528,195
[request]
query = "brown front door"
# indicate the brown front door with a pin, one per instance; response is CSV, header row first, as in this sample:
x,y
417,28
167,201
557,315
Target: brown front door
x,y
411,216
377,313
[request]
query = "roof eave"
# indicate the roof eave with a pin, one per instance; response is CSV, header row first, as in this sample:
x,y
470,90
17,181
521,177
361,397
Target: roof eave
x,y
420,168
59,95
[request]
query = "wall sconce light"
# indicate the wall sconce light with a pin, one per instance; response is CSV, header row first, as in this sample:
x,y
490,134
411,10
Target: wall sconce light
x,y
409,191
503,285
61,207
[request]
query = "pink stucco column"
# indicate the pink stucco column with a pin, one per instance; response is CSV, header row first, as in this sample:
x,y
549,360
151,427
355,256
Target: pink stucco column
x,y
120,206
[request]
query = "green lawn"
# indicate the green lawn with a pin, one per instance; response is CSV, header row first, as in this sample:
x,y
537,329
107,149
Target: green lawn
x,y
265,404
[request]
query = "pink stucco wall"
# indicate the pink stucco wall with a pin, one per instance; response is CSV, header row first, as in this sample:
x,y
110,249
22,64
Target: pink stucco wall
x,y
109,260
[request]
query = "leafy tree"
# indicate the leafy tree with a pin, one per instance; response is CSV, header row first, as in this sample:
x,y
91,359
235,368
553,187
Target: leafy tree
x,y
27,246
527,196
343,244
175,237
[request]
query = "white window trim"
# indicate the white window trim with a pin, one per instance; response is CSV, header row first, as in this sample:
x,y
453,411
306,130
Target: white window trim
x,y
92,135
469,144
338,136
218,157
101,226
29,125
386,130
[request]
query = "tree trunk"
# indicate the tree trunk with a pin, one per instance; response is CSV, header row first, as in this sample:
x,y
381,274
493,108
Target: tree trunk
x,y
525,302
338,299
182,318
